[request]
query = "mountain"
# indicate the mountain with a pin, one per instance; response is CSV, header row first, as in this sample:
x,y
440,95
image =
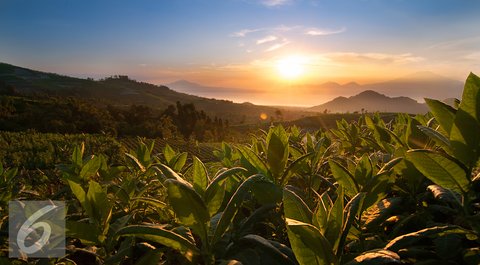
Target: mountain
x,y
418,85
191,87
122,91
184,86
371,101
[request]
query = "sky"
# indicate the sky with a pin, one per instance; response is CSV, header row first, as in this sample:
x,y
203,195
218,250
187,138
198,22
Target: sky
x,y
260,47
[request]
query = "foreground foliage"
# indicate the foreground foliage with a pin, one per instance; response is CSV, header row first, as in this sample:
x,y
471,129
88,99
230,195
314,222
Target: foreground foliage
x,y
367,192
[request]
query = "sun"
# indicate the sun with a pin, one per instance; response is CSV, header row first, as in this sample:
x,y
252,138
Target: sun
x,y
291,67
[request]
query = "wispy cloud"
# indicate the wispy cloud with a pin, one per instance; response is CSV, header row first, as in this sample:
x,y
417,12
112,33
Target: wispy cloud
x,y
465,43
277,46
273,3
323,32
266,39
245,32
378,58
282,28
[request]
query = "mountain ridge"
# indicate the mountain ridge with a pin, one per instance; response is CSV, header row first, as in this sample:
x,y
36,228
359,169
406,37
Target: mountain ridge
x,y
123,91
372,101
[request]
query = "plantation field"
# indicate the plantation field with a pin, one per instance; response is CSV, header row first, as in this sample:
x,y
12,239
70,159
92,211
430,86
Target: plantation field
x,y
369,191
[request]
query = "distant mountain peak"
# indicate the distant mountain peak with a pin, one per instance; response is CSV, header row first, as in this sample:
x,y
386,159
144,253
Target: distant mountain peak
x,y
330,84
371,101
352,84
369,93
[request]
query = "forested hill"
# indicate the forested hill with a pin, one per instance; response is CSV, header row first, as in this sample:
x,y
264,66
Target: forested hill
x,y
121,90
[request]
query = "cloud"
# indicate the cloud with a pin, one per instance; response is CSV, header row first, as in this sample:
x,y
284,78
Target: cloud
x,y
471,43
277,46
266,39
273,3
323,32
245,32
378,58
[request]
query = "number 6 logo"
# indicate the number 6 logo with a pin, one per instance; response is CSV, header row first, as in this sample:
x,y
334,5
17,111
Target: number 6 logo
x,y
30,226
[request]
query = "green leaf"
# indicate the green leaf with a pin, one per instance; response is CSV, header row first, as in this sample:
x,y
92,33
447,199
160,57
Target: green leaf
x,y
81,195
277,150
180,161
162,236
376,257
320,216
215,202
410,239
136,162
152,257
436,136
254,161
90,168
87,233
335,221
220,179
266,250
344,178
97,197
258,216
377,188
295,208
440,169
157,204
465,133
390,165
443,113
200,177
363,170
414,136
266,192
168,173
168,153
235,203
77,156
218,189
351,211
380,212
295,167
309,245
188,206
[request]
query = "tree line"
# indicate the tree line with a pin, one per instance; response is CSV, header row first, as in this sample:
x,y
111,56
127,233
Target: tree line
x,y
73,115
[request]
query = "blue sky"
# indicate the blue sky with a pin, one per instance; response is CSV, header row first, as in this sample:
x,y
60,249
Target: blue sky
x,y
240,42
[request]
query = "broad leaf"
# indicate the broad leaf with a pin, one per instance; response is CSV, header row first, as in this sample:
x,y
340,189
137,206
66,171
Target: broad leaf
x,y
277,150
101,207
163,236
376,257
235,203
344,178
295,208
443,113
309,245
335,220
188,206
440,169
465,133
200,177
254,161
90,168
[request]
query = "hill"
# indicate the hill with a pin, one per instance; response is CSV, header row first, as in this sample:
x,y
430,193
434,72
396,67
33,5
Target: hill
x,y
122,91
371,101
418,85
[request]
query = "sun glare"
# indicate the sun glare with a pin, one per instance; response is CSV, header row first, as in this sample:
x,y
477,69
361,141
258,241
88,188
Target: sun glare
x,y
291,67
